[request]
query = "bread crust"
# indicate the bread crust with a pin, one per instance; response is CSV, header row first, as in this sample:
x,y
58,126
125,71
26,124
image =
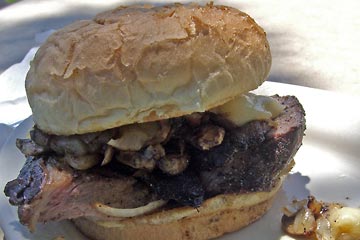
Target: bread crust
x,y
205,227
215,217
142,63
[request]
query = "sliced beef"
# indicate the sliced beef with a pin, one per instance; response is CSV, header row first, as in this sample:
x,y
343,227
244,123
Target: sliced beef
x,y
251,157
47,190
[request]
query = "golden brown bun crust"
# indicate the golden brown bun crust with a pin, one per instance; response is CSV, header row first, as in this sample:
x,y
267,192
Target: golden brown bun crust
x,y
142,63
216,216
206,227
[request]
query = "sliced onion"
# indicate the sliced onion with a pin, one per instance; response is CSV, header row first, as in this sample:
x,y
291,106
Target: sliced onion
x,y
129,212
293,208
304,223
109,153
135,136
331,220
323,229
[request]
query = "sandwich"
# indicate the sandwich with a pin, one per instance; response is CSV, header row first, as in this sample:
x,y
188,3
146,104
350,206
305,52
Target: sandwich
x,y
145,127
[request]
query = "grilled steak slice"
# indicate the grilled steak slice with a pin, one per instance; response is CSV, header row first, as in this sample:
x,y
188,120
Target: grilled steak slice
x,y
235,140
252,157
47,190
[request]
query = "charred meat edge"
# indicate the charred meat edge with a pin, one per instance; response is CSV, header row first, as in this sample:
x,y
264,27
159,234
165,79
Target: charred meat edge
x,y
47,190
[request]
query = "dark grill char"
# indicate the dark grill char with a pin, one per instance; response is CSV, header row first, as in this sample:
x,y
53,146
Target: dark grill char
x,y
252,156
235,141
28,184
184,188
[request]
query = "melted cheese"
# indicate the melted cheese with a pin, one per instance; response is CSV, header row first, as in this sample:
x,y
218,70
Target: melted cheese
x,y
248,107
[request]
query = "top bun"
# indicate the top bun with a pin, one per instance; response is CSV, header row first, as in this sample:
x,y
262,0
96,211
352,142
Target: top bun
x,y
143,63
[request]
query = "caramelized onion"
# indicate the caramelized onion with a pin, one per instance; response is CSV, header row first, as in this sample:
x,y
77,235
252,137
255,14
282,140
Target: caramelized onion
x,y
345,222
304,222
325,221
323,229
294,207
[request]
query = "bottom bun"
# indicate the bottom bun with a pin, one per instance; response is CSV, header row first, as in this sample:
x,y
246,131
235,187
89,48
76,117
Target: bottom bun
x,y
216,216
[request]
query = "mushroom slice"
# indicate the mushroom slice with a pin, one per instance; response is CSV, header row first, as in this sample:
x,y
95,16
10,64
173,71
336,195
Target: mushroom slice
x,y
29,147
173,164
208,136
142,160
82,162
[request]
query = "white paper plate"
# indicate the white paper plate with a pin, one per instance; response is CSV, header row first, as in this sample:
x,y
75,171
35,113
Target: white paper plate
x,y
327,166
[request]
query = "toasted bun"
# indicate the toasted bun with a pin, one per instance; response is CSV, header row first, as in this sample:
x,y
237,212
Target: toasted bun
x,y
216,216
142,63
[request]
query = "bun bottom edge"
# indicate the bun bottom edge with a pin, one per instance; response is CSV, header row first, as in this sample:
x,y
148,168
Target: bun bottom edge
x,y
217,216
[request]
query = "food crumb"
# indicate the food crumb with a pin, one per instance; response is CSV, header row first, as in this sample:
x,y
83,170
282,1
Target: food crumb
x,y
59,238
314,219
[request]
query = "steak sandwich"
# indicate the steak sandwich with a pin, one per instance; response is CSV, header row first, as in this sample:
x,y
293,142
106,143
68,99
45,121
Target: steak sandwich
x,y
145,127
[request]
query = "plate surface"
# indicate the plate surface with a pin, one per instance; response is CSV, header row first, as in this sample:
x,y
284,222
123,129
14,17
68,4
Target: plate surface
x,y
327,165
